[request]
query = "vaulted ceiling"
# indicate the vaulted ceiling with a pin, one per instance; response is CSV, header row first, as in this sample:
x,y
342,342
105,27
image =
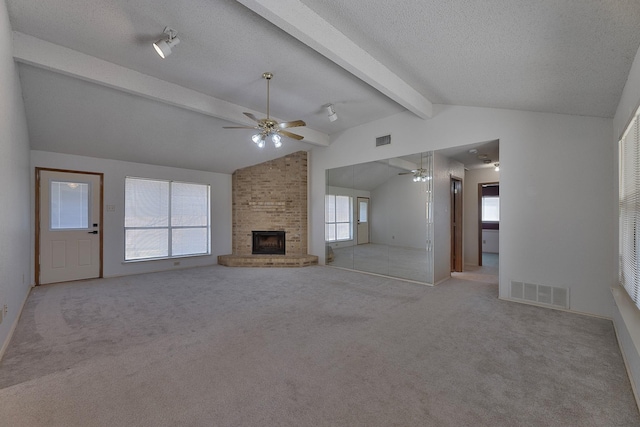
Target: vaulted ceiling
x,y
94,86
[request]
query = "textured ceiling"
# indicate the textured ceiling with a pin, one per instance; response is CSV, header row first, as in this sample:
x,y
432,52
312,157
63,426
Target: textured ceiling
x,y
567,57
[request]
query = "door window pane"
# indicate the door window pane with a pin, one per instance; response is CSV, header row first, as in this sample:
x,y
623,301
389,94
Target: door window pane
x,y
363,211
69,205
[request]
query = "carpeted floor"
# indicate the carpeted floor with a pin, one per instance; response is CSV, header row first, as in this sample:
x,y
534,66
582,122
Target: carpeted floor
x,y
406,263
315,346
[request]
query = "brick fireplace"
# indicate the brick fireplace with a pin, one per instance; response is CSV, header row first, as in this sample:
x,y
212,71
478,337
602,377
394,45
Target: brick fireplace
x,y
270,196
268,243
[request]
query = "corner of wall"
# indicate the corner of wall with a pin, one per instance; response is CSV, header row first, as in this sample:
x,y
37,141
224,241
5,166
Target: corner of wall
x,y
15,222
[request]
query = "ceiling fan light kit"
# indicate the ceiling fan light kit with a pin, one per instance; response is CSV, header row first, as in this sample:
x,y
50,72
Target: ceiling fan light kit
x,y
163,46
269,128
420,174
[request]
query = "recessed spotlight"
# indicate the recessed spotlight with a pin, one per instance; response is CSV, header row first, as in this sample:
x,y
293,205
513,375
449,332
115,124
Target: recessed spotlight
x,y
473,151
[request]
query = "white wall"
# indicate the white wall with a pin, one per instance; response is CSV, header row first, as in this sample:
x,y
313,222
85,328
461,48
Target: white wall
x,y
398,213
443,169
472,178
559,238
490,241
113,228
626,316
14,179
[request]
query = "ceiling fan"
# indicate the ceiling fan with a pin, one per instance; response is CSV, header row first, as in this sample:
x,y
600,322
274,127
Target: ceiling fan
x,y
420,174
269,128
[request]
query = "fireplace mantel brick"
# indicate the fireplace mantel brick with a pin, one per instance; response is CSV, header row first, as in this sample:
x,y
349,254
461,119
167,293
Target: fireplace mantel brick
x,y
271,196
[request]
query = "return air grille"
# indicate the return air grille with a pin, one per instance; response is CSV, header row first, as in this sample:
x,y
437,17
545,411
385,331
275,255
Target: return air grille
x,y
540,294
383,140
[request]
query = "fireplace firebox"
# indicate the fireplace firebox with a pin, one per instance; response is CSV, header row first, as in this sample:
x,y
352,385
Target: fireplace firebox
x,y
268,242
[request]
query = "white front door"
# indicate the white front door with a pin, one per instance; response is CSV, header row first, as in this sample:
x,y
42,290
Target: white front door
x,y
363,220
69,212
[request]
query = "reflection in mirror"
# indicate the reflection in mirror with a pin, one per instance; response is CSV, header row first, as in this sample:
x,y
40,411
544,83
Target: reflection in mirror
x,y
379,217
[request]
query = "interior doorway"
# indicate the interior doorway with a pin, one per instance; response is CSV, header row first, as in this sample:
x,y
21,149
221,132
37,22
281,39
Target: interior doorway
x,y
488,223
456,225
363,220
68,226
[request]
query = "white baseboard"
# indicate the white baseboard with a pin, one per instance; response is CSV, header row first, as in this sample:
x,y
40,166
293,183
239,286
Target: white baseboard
x,y
5,345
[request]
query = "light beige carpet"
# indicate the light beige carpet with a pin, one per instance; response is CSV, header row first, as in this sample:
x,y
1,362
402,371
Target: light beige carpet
x,y
305,347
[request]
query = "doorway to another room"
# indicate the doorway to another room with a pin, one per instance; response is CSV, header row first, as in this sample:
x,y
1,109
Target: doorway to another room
x,y
456,225
488,224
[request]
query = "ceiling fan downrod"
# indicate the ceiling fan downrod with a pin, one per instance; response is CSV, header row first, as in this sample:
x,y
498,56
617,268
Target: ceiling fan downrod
x,y
268,77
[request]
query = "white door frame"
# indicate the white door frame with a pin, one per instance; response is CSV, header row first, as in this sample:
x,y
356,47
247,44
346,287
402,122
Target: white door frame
x,y
37,217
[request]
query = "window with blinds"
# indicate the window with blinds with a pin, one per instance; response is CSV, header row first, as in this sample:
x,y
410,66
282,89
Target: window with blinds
x,y
338,218
165,219
629,209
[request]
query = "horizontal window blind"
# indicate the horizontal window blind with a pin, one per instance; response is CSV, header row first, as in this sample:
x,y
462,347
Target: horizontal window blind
x,y
338,214
629,210
165,219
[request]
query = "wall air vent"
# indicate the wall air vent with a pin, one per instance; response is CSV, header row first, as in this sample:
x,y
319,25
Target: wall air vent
x,y
383,140
540,294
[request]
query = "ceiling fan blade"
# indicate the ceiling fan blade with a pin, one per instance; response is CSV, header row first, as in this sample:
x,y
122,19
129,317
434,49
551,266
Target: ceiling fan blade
x,y
292,124
251,116
412,172
291,135
240,127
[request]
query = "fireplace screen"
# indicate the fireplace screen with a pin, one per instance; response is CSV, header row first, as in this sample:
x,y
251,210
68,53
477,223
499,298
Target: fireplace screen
x,y
268,242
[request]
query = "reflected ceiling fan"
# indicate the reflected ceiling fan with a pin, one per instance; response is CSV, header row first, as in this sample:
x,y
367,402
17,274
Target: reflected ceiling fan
x,y
269,128
420,174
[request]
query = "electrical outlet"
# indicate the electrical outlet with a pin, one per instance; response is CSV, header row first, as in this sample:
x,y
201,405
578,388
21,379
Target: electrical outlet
x,y
6,309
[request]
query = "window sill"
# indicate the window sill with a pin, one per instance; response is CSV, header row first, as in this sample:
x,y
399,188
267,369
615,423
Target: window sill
x,y
133,261
629,312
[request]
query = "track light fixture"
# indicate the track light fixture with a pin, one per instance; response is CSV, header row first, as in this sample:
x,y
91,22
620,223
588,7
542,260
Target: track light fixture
x,y
163,46
332,113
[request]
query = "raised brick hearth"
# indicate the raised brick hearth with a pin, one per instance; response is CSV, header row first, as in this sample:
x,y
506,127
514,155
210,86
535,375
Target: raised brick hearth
x,y
290,260
271,196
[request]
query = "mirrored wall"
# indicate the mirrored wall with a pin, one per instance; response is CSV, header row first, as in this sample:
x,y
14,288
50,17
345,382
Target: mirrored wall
x,y
379,217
